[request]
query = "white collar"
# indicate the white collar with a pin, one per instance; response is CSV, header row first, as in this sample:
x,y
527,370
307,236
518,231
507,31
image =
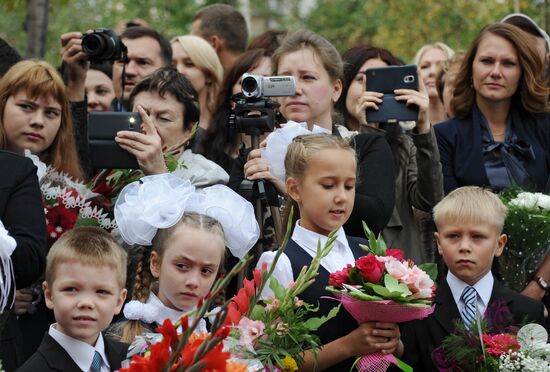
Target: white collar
x,y
79,351
483,287
154,311
308,239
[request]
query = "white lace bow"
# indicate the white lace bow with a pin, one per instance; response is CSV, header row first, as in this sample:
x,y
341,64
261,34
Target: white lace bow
x,y
160,201
278,141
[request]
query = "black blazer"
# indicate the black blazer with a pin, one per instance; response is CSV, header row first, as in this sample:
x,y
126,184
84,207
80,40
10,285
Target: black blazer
x,y
50,356
22,214
421,337
461,150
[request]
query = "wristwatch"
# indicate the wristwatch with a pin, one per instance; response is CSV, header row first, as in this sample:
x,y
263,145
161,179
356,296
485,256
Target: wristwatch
x,y
541,282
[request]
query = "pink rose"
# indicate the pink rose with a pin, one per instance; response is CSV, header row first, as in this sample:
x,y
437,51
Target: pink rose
x,y
398,270
370,268
337,278
397,253
423,284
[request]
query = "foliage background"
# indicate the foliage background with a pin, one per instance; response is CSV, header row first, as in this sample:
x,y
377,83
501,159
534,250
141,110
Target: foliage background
x,y
401,26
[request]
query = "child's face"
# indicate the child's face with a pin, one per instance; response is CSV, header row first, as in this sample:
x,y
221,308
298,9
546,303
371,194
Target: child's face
x,y
468,248
326,192
84,299
189,266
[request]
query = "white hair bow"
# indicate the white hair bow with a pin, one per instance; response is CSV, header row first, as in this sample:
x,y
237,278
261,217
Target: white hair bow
x,y
277,144
160,201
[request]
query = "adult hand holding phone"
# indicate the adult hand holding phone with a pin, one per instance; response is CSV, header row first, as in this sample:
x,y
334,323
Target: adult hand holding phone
x,y
419,98
145,146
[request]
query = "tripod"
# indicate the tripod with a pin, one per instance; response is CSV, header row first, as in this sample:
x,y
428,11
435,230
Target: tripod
x,y
255,117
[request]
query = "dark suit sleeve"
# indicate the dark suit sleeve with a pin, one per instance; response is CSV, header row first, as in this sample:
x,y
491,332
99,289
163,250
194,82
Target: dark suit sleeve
x,y
23,217
447,156
375,189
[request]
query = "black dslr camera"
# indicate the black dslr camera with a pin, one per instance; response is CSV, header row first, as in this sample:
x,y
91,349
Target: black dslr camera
x,y
103,44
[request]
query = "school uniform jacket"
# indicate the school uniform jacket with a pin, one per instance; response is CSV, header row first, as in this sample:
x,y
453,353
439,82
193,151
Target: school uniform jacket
x,y
341,324
421,337
51,356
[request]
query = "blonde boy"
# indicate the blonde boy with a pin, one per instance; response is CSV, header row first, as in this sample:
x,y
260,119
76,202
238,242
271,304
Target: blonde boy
x,y
84,286
469,235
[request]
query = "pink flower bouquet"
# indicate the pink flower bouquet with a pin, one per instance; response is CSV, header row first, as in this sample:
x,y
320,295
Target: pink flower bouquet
x,y
384,287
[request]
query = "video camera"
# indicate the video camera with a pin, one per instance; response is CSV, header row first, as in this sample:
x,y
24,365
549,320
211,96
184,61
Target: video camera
x,y
254,112
103,44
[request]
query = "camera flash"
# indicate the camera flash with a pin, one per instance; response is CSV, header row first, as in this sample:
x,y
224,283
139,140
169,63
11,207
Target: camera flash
x,y
132,120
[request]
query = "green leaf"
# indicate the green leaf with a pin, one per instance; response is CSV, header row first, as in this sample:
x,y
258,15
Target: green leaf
x,y
394,286
257,312
278,290
430,269
377,244
313,324
403,366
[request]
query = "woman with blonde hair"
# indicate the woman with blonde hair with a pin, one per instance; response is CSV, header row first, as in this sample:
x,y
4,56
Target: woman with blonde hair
x,y
198,62
429,59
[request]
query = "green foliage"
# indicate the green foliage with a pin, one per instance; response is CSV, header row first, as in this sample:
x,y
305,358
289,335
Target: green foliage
x,y
402,26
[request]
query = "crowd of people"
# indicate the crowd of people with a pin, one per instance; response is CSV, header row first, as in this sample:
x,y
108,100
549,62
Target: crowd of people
x,y
428,187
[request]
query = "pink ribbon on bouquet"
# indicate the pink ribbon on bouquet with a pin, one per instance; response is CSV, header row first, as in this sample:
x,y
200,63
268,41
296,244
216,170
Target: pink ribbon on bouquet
x,y
380,311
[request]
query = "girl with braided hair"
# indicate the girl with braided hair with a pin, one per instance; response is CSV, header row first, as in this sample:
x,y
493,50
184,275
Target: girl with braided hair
x,y
187,231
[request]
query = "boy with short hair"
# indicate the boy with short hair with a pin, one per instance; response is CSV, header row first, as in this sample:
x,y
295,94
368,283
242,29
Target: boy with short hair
x,y
469,235
85,278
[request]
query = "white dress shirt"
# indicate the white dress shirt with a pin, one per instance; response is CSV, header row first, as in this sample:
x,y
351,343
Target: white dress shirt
x,y
79,351
484,289
337,259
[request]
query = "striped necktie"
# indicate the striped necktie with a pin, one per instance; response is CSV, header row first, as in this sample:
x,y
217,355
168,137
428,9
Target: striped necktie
x,y
468,313
96,363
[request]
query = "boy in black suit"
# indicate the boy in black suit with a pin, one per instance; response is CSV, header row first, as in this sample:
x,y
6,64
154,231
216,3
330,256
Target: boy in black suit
x,y
85,277
469,223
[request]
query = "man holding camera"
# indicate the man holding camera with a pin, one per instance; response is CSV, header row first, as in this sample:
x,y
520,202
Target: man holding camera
x,y
147,50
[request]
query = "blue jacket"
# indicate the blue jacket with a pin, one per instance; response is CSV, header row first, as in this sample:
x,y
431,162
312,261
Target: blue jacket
x,y
460,149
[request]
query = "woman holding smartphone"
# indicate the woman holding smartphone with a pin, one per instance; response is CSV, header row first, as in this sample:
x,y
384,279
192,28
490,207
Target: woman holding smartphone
x,y
419,184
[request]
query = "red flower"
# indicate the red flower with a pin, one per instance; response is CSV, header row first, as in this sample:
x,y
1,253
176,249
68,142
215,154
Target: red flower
x,y
233,314
214,360
337,278
258,274
396,253
370,268
168,332
500,344
155,361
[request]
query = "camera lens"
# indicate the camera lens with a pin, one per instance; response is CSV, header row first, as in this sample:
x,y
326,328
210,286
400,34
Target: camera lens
x,y
249,84
93,45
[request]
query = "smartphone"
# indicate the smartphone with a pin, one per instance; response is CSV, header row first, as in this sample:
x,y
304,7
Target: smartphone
x,y
385,80
102,130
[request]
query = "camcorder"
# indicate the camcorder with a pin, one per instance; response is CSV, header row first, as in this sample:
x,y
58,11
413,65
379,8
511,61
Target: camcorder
x,y
102,45
254,112
255,86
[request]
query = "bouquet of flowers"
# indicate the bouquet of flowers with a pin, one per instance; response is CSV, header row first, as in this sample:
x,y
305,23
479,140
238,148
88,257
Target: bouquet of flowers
x,y
275,332
478,350
384,287
528,228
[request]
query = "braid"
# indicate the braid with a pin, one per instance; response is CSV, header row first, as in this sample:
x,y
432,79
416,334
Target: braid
x,y
142,284
140,273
